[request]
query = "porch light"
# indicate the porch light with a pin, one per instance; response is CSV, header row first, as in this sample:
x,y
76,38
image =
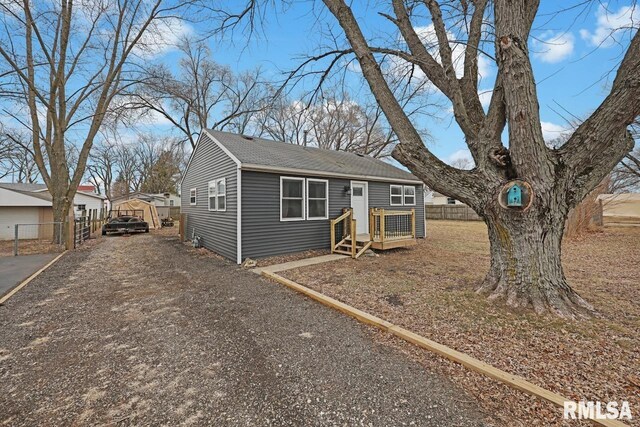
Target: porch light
x,y
347,190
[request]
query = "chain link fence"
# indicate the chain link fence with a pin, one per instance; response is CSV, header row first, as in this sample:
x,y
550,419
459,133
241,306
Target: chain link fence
x,y
36,238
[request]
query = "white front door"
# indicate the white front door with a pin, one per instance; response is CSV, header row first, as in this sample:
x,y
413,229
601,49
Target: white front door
x,y
360,205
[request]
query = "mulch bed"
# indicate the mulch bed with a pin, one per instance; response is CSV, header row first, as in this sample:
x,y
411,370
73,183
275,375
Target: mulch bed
x,y
429,289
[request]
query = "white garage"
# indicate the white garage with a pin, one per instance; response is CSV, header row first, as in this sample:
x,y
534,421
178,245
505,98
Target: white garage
x,y
18,207
10,216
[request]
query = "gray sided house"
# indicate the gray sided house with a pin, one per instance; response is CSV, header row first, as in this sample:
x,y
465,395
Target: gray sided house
x,y
248,197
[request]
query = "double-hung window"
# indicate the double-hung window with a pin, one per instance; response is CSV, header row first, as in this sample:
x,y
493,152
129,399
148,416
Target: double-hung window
x,y
291,199
211,195
317,195
396,195
221,194
402,195
217,194
409,195
192,196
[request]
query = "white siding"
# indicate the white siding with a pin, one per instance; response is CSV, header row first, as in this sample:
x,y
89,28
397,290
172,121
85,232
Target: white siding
x,y
12,215
89,201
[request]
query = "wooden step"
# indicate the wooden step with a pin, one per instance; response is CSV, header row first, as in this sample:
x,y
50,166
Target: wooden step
x,y
363,249
339,251
358,247
358,242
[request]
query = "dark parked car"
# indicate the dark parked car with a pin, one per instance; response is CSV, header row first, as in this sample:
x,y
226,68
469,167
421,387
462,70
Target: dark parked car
x,y
125,224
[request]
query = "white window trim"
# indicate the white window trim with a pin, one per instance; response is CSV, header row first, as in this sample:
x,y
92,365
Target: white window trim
x,y
195,196
224,180
214,195
293,178
326,199
401,195
404,195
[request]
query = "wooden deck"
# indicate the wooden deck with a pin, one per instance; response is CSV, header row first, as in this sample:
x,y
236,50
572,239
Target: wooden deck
x,y
393,243
387,230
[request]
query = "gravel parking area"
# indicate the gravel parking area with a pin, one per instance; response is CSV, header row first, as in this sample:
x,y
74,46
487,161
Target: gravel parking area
x,y
144,330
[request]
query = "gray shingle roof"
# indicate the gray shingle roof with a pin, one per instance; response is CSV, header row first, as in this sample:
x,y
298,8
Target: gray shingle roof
x,y
276,155
39,190
21,186
18,188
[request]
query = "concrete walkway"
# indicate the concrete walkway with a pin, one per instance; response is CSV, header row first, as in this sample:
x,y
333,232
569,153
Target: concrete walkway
x,y
14,269
147,331
299,263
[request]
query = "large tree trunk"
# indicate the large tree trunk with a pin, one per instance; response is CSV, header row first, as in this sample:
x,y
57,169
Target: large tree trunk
x,y
526,267
61,208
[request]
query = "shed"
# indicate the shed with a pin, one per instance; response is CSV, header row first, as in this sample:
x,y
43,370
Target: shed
x,y
248,197
147,211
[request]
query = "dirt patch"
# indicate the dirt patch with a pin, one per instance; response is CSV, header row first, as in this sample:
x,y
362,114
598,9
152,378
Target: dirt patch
x,y
29,247
429,289
281,259
168,231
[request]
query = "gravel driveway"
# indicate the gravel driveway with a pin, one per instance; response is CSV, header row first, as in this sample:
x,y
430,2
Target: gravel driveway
x,y
144,330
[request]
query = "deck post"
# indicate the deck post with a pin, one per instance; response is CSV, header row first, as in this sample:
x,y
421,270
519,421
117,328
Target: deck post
x,y
382,229
354,237
371,224
333,235
413,223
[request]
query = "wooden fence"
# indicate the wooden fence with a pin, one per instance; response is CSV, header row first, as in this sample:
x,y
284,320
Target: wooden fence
x,y
450,213
174,212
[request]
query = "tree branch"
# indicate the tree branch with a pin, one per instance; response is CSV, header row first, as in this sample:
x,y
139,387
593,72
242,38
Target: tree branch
x,y
602,140
411,151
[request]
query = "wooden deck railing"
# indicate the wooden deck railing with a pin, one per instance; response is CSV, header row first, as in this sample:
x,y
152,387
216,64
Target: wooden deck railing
x,y
343,228
386,225
387,229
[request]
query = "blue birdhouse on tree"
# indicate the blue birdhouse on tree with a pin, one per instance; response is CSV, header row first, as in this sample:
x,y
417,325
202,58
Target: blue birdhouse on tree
x,y
514,196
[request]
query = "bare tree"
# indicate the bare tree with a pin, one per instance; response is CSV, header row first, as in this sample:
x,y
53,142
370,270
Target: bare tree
x,y
333,121
65,62
283,120
161,177
626,176
16,157
201,94
525,245
102,166
126,170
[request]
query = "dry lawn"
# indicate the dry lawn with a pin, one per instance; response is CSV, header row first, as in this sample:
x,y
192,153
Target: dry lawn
x,y
429,289
29,247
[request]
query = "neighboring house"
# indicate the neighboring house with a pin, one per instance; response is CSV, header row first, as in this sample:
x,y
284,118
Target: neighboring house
x,y
157,199
171,199
435,198
85,201
249,198
22,203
